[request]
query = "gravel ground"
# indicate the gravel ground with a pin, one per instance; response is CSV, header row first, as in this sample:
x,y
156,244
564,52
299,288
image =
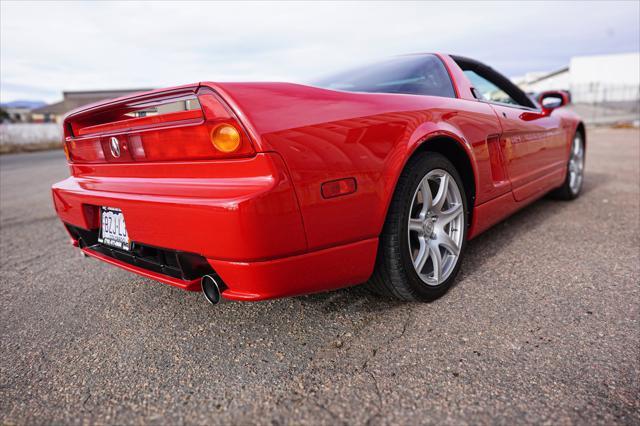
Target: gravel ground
x,y
542,327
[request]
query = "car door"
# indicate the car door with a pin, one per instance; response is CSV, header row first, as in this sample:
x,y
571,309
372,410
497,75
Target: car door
x,y
531,142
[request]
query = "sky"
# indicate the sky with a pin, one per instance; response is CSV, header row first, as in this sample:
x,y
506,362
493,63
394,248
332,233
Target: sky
x,y
49,47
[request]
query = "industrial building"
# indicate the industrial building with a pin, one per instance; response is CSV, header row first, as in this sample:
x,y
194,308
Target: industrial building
x,y
591,79
75,99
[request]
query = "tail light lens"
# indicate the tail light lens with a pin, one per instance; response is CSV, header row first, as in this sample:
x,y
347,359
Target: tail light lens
x,y
184,127
226,138
65,147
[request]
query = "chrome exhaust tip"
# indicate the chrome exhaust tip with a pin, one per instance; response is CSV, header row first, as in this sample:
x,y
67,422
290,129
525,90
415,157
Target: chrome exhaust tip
x,y
211,288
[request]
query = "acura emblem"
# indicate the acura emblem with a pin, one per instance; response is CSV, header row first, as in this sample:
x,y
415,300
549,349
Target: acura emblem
x,y
114,143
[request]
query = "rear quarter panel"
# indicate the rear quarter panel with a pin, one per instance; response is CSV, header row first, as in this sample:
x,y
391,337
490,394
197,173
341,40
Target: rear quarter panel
x,y
325,135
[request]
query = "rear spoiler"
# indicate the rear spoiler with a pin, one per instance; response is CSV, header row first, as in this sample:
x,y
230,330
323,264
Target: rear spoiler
x,y
181,123
98,108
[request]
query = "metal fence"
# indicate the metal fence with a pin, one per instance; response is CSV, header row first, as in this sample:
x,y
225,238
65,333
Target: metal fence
x,y
29,133
606,104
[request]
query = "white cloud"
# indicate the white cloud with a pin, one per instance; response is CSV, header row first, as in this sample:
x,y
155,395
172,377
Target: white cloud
x,y
49,47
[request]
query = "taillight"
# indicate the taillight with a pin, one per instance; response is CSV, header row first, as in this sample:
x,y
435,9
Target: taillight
x,y
65,147
226,138
226,133
185,127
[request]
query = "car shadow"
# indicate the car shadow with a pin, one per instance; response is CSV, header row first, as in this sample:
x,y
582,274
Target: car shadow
x,y
536,214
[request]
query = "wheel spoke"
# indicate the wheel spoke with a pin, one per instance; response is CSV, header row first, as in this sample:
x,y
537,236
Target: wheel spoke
x,y
441,196
427,198
415,225
447,242
580,161
422,256
436,259
449,215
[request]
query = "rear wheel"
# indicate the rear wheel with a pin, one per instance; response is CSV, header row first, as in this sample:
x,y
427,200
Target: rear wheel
x,y
572,185
424,235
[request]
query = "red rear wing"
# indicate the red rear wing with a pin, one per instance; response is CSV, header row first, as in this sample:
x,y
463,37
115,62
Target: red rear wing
x,y
181,124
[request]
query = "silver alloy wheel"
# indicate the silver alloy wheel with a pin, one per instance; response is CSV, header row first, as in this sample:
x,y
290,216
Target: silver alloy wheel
x,y
576,164
435,228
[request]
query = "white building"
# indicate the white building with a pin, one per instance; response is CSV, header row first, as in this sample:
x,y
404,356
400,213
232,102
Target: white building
x,y
592,79
540,81
75,99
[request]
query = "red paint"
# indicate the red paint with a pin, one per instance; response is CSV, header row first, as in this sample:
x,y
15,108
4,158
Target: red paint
x,y
531,148
237,209
311,272
267,218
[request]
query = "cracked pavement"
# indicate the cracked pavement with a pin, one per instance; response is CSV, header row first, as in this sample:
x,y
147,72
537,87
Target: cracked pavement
x,y
541,327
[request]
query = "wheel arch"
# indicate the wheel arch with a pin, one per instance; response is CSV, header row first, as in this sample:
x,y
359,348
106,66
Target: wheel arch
x,y
456,151
583,131
579,128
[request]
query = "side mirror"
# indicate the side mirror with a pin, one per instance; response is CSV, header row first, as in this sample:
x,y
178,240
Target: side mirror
x,y
553,99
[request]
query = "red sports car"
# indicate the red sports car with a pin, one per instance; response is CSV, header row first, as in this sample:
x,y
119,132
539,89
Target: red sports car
x,y
252,191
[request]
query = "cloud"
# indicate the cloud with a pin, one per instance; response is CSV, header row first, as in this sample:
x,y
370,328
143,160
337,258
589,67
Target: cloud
x,y
49,47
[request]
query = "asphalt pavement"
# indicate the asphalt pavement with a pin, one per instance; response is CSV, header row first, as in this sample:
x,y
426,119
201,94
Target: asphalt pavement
x,y
543,326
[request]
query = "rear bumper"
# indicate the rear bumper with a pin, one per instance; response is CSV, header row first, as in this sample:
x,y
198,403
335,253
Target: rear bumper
x,y
312,272
321,270
242,216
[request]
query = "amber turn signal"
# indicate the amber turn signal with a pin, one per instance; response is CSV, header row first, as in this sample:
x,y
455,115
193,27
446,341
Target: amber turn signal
x,y
65,147
225,138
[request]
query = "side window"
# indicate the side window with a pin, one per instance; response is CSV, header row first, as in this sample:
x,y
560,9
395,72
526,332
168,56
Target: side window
x,y
436,81
487,90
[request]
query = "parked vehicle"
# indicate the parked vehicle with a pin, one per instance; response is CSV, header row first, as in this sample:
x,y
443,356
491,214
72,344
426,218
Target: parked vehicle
x,y
259,190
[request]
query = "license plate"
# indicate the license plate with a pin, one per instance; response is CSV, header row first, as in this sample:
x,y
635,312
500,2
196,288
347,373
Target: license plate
x,y
113,231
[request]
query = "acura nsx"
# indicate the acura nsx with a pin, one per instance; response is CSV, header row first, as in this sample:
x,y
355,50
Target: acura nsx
x,y
379,174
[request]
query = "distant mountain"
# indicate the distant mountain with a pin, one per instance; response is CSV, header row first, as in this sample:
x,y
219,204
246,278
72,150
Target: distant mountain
x,y
23,104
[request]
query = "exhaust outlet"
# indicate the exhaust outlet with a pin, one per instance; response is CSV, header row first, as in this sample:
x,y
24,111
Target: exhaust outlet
x,y
81,245
211,288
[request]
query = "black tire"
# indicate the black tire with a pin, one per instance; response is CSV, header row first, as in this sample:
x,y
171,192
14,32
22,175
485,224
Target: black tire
x,y
565,192
394,274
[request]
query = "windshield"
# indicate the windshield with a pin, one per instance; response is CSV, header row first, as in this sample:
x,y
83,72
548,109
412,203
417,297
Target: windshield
x,y
415,75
